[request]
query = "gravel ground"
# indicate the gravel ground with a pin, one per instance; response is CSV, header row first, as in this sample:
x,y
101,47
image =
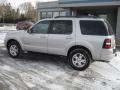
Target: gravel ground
x,y
48,72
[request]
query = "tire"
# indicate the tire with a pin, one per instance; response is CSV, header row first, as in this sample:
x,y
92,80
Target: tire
x,y
14,49
79,59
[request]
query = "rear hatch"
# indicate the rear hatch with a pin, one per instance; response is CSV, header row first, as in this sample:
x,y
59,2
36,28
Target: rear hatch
x,y
110,34
98,28
98,33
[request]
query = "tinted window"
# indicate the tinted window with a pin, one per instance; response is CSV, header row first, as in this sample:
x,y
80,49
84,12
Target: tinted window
x,y
93,27
41,27
61,27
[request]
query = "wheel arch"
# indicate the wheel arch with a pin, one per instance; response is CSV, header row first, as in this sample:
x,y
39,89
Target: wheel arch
x,y
79,46
11,40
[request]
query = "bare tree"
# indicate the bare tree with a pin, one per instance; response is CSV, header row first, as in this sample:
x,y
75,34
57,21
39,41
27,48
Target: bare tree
x,y
28,10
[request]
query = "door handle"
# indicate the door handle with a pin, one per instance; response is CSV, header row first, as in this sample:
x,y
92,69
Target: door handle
x,y
68,37
43,37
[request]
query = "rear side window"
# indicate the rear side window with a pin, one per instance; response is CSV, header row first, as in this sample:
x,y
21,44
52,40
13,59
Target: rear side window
x,y
61,27
90,27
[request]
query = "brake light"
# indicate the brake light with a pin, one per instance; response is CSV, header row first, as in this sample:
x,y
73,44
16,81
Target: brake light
x,y
107,44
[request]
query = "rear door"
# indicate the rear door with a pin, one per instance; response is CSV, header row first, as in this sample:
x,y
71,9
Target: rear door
x,y
60,36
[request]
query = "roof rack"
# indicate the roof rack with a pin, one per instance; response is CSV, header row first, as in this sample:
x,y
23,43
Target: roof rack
x,y
76,17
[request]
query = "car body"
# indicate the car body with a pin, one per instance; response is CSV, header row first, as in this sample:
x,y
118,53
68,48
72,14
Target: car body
x,y
24,25
80,39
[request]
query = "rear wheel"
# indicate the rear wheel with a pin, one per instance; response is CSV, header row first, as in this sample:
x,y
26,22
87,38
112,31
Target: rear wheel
x,y
79,59
14,49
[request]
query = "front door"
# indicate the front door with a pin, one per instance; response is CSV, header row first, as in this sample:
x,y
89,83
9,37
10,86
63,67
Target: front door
x,y
37,39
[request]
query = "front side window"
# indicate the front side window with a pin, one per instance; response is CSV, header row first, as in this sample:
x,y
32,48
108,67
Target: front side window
x,y
61,27
90,27
41,27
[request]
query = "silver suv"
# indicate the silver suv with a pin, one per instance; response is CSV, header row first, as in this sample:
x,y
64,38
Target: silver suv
x,y
81,39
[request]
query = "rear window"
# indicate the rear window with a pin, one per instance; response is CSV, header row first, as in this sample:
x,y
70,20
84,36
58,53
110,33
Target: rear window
x,y
90,27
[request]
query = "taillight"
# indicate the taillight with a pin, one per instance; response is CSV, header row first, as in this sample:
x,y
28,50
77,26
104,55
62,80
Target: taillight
x,y
107,44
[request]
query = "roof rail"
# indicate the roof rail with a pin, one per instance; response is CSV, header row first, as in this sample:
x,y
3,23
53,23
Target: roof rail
x,y
76,17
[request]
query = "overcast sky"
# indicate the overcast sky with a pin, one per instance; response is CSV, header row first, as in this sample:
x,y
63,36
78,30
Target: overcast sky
x,y
16,3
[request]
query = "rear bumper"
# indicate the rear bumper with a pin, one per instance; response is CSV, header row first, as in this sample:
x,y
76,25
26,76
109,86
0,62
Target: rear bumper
x,y
108,54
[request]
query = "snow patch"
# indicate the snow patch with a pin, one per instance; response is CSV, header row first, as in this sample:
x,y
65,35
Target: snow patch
x,y
116,62
31,80
2,37
87,85
55,87
106,70
5,67
110,71
8,28
11,86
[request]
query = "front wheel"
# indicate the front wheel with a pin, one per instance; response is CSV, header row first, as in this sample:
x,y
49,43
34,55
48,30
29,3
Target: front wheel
x,y
14,49
79,59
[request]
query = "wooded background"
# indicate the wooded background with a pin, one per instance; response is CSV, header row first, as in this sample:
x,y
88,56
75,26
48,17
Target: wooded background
x,y
25,11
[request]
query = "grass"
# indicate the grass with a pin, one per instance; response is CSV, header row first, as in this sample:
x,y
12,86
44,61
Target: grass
x,y
117,42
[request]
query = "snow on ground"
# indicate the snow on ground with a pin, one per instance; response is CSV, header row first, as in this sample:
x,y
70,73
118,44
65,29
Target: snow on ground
x,y
3,31
46,72
8,28
116,62
37,72
2,36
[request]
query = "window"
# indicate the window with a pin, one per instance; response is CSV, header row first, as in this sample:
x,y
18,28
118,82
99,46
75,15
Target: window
x,y
90,27
55,14
44,15
40,15
62,13
49,14
41,27
61,27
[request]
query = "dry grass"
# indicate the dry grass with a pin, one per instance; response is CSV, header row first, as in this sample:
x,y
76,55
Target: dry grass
x,y
117,42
